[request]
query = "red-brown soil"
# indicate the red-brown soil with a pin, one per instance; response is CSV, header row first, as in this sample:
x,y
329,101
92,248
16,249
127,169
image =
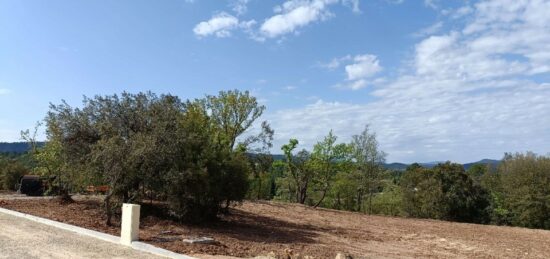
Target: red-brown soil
x,y
258,228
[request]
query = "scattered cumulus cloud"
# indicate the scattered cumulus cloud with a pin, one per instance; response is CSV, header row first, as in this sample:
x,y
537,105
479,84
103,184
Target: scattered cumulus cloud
x,y
363,66
465,94
240,7
359,70
295,14
289,17
221,25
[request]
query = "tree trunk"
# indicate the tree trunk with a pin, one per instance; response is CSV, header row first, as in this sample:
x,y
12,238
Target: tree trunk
x,y
108,209
259,186
370,202
338,206
360,201
322,198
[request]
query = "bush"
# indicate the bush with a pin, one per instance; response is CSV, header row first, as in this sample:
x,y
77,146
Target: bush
x,y
388,202
144,145
10,175
524,193
444,192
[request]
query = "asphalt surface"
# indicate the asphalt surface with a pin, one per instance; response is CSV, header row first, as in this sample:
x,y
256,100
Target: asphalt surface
x,y
21,238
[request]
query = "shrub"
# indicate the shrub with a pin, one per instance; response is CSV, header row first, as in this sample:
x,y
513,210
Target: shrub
x,y
524,193
156,146
10,175
444,192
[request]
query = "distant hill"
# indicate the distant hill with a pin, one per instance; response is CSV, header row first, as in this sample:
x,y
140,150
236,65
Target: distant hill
x,y
396,166
491,162
16,147
402,166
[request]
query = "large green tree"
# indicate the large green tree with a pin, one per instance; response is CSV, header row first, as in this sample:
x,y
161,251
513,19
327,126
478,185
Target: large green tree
x,y
525,189
298,173
369,160
328,158
156,146
444,192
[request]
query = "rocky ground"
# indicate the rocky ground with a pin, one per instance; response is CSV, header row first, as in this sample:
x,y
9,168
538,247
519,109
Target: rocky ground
x,y
262,228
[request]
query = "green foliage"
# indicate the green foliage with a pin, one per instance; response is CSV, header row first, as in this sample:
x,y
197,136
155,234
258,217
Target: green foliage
x,y
523,197
327,159
477,171
233,112
148,146
444,192
368,162
343,194
298,173
11,172
389,201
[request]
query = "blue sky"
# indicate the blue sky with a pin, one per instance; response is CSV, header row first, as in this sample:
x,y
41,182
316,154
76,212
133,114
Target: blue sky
x,y
437,80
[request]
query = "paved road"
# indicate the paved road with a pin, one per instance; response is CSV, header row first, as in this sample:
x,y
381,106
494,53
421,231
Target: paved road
x,y
21,238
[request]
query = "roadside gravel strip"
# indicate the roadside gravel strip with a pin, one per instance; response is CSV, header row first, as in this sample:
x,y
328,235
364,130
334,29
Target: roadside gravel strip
x,y
22,238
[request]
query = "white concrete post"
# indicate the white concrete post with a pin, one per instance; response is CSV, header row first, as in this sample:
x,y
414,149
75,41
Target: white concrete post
x,y
129,230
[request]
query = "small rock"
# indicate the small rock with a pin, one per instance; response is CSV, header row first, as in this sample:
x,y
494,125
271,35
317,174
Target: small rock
x,y
200,240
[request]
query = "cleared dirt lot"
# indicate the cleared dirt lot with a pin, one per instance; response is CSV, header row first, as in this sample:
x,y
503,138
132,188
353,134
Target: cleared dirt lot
x,y
258,228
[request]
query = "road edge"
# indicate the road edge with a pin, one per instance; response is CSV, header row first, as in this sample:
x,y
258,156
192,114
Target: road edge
x,y
136,245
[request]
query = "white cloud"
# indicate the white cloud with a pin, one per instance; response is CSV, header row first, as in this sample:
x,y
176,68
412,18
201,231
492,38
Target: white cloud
x,y
466,94
359,69
289,18
221,25
429,30
295,14
462,11
364,66
239,6
335,62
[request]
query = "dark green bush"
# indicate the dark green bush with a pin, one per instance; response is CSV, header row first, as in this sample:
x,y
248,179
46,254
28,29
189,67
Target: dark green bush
x,y
444,192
